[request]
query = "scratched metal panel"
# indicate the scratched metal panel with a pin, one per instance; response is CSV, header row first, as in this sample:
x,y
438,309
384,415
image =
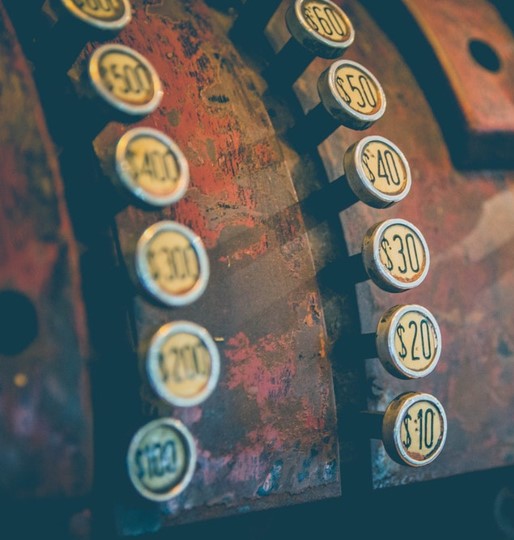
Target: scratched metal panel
x,y
267,437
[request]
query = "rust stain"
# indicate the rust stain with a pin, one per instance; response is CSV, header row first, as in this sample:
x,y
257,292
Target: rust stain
x,y
251,367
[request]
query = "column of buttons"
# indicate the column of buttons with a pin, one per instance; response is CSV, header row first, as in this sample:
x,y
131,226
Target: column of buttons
x,y
182,361
395,255
407,342
171,263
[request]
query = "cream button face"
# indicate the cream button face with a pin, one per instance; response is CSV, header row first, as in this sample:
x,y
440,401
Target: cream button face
x,y
183,364
409,341
125,79
109,15
172,264
151,167
395,255
321,26
414,429
351,94
161,459
377,171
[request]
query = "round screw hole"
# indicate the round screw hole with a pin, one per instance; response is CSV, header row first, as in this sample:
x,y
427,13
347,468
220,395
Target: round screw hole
x,y
484,55
18,322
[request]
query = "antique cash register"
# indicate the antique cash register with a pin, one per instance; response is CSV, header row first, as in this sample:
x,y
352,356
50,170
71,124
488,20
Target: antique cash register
x,y
256,268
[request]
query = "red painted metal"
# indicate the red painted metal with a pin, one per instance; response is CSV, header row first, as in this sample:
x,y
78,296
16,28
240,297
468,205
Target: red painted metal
x,y
267,437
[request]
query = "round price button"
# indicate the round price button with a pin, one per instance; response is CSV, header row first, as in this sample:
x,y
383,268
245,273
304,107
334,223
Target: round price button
x,y
321,26
183,364
151,167
161,459
172,264
125,79
108,15
395,255
414,429
351,94
377,171
409,341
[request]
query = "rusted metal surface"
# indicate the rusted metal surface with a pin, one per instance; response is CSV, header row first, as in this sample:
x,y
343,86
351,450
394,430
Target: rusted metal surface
x,y
467,221
471,76
267,437
45,416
